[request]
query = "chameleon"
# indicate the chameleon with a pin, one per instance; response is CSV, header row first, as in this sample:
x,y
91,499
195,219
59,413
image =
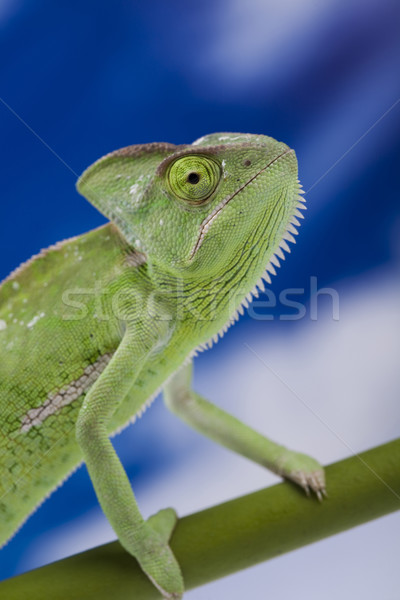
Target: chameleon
x,y
94,327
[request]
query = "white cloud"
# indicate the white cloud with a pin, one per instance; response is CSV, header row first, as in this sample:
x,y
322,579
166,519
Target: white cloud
x,y
271,41
255,35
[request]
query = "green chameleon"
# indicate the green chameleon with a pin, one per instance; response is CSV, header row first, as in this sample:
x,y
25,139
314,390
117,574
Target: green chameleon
x,y
93,327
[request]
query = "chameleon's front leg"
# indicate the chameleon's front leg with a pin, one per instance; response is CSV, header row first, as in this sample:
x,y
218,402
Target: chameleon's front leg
x,y
225,429
146,541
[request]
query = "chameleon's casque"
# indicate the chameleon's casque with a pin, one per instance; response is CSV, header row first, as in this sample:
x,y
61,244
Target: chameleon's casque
x,y
93,327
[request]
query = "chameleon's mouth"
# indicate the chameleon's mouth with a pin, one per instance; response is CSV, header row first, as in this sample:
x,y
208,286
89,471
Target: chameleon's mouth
x,y
209,219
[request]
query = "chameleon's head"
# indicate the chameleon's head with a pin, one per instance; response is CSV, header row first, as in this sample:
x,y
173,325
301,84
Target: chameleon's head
x,y
200,209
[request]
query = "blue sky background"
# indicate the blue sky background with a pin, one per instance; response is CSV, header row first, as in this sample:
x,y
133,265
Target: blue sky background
x,y
79,79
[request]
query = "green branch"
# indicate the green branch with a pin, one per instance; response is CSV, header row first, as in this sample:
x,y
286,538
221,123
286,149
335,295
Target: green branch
x,y
232,536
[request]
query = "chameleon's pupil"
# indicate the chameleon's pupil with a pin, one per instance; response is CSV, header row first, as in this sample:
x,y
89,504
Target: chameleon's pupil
x,y
193,178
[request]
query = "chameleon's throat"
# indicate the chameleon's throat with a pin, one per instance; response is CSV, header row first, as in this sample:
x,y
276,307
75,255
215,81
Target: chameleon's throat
x,y
207,222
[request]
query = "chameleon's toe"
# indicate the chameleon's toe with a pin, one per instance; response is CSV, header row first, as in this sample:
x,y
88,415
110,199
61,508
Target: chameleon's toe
x,y
163,570
156,557
314,481
164,522
305,471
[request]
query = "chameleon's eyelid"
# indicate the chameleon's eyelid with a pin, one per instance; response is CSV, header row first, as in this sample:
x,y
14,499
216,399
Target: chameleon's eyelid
x,y
189,151
202,150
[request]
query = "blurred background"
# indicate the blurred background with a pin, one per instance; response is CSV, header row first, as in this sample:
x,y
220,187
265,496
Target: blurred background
x,y
79,79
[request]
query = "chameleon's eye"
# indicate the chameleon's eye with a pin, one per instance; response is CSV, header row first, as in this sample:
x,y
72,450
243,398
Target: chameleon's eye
x,y
194,178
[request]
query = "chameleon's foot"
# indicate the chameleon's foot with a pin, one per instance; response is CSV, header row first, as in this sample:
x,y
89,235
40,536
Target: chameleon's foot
x,y
303,470
156,558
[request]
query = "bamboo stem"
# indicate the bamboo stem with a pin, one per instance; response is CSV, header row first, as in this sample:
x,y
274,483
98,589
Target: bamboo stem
x,y
232,536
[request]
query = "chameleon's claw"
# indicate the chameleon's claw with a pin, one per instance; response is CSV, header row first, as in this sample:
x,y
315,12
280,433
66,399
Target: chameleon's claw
x,y
300,476
319,495
303,470
314,481
317,483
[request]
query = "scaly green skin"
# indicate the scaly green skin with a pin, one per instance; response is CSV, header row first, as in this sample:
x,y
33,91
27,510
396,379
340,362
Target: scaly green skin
x,y
91,328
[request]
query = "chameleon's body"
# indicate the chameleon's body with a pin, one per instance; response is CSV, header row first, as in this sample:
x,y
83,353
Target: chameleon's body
x,y
126,305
